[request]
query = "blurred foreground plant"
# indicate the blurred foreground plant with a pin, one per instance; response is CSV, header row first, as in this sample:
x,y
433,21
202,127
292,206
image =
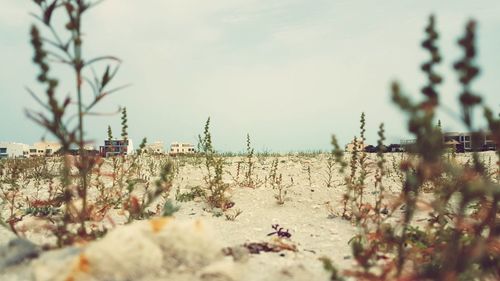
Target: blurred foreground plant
x,y
461,237
64,46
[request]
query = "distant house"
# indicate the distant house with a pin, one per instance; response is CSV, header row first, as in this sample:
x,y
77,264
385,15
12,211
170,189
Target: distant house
x,y
181,148
75,150
358,144
467,142
44,148
14,150
408,144
460,141
157,147
116,147
395,148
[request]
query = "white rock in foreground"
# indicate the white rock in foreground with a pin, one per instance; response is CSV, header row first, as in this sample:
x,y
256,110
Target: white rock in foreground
x,y
144,250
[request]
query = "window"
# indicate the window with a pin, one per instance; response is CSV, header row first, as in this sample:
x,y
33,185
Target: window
x,y
3,150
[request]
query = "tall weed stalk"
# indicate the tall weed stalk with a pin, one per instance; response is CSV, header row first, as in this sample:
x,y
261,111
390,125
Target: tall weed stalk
x,y
65,46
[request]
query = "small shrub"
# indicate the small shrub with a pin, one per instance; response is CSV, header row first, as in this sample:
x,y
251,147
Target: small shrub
x,y
216,191
330,169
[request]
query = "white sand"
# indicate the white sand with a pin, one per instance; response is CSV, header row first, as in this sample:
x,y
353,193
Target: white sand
x,y
133,252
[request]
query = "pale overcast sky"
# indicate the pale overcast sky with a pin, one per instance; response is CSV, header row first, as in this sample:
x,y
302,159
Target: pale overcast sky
x,y
289,72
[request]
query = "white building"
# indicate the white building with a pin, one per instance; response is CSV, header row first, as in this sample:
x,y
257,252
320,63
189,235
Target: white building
x,y
181,148
358,144
13,150
157,147
44,148
117,147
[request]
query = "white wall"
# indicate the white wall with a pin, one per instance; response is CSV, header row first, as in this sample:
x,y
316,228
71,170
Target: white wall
x,y
156,147
130,147
42,148
15,150
177,147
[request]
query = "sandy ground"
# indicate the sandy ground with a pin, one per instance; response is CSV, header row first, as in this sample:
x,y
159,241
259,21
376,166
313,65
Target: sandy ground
x,y
314,231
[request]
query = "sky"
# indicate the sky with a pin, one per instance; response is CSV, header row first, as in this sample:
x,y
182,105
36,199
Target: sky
x,y
288,72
